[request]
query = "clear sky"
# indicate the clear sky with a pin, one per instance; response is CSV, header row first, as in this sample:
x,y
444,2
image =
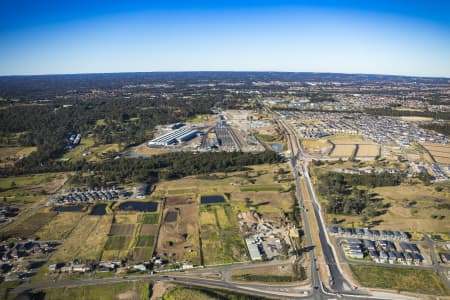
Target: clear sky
x,y
359,36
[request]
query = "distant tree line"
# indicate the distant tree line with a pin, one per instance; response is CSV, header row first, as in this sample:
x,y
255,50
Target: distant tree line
x,y
150,170
440,128
445,115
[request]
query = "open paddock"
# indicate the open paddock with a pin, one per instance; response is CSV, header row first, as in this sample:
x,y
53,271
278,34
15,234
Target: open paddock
x,y
27,189
86,241
9,155
59,227
29,226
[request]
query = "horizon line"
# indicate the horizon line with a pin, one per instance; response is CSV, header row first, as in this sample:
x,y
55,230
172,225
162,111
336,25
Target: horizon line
x,y
223,71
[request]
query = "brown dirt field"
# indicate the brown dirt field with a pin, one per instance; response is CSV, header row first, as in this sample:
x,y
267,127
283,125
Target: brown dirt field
x,y
179,240
441,153
179,200
148,229
343,150
368,151
122,229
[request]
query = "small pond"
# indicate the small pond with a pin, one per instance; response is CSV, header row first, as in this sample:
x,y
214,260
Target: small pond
x,y
69,208
139,206
212,199
277,147
171,216
99,210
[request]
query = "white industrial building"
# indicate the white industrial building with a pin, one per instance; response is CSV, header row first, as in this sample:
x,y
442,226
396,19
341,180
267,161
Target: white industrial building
x,y
182,134
253,249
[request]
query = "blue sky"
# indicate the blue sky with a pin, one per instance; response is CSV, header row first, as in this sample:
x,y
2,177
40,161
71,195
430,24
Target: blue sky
x,y
383,37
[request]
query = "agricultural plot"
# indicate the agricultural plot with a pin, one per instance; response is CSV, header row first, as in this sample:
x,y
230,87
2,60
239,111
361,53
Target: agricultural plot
x,y
145,241
440,153
28,227
178,238
150,219
117,242
86,241
142,253
122,229
220,237
59,227
126,218
148,229
367,151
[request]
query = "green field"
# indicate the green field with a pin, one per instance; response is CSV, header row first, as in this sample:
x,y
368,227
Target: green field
x,y
189,293
220,238
410,280
150,219
145,241
125,290
263,188
117,242
23,190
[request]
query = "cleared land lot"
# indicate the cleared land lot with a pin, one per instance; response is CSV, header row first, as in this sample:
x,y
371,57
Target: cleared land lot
x,y
60,226
368,151
440,153
178,237
411,280
86,241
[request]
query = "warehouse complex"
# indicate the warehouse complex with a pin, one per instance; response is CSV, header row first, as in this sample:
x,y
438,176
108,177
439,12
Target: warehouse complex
x,y
182,134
